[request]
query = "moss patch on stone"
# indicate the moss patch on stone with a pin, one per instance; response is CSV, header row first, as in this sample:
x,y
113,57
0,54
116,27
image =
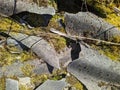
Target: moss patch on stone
x,y
2,83
39,79
27,70
112,52
113,19
7,58
105,10
7,24
75,83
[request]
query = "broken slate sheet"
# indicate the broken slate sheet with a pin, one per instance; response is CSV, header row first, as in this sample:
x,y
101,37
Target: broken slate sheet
x,y
93,68
40,47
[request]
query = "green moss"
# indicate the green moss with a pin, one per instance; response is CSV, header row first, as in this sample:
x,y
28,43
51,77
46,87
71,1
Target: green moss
x,y
105,10
38,79
75,83
58,74
25,88
7,57
110,51
7,23
113,52
2,83
113,19
27,70
59,43
116,39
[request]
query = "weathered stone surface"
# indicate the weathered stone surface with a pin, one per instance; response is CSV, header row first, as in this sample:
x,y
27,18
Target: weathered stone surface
x,y
12,84
39,46
65,57
93,68
7,7
52,85
15,69
88,24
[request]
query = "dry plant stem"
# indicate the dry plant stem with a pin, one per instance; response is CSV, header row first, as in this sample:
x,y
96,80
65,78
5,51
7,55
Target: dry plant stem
x,y
98,41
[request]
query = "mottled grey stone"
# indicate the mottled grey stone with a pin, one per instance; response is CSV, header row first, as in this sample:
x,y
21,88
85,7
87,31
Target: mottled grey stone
x,y
12,84
7,7
52,85
90,25
93,68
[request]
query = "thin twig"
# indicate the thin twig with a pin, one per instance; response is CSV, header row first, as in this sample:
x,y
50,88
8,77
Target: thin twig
x,y
83,38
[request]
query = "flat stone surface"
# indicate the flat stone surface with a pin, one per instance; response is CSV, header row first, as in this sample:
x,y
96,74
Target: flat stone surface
x,y
52,85
93,68
12,84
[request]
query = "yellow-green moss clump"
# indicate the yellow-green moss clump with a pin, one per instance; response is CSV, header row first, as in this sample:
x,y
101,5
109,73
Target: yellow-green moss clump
x,y
105,10
25,88
7,23
113,19
39,79
59,43
2,83
75,83
7,57
27,70
58,74
112,52
111,16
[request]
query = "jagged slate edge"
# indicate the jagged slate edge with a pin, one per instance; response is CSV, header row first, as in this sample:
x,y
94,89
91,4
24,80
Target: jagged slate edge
x,y
39,46
7,6
86,22
53,85
93,68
